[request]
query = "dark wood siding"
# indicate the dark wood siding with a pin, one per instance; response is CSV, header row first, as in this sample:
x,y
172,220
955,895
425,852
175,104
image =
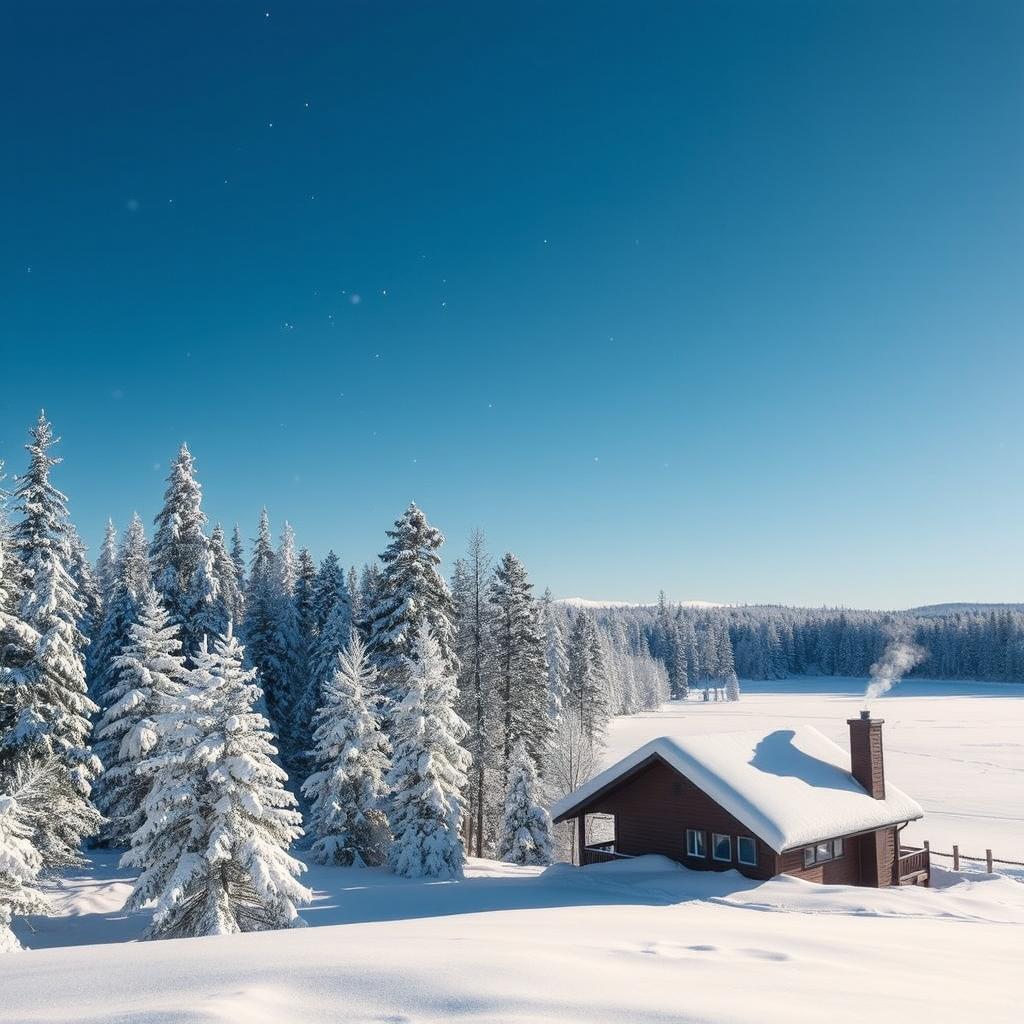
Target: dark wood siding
x,y
845,870
655,805
878,857
653,809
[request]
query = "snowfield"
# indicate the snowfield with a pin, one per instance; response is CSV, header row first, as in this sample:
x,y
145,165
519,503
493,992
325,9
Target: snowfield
x,y
956,748
639,941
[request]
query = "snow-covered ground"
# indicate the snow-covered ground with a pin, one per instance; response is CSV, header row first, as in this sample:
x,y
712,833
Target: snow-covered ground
x,y
645,941
956,748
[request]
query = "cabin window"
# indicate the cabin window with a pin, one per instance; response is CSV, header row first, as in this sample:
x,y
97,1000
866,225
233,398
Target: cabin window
x,y
695,843
746,850
820,853
721,847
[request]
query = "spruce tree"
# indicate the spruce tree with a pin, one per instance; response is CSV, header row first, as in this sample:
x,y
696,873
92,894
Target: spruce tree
x,y
20,861
106,564
328,590
44,706
370,582
180,548
521,669
526,825
586,696
412,593
355,599
350,760
474,636
81,571
238,557
212,850
305,587
428,768
270,630
203,607
132,583
225,571
321,663
150,680
555,653
732,687
15,635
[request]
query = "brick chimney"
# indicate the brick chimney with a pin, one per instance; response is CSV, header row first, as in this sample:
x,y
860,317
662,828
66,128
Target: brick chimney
x,y
866,753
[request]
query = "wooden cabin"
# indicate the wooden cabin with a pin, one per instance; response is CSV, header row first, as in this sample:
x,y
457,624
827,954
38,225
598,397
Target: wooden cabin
x,y
788,801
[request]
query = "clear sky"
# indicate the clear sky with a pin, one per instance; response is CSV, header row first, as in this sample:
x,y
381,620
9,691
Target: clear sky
x,y
724,298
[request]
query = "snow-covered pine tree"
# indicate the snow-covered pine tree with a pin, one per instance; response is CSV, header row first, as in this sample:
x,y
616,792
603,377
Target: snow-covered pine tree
x,y
212,851
180,546
726,663
238,557
675,663
150,681
520,667
328,590
106,564
331,640
526,825
369,594
11,576
732,687
132,582
474,622
305,587
81,571
350,760
428,768
44,706
203,607
287,560
226,573
557,659
270,630
20,861
586,697
412,592
354,595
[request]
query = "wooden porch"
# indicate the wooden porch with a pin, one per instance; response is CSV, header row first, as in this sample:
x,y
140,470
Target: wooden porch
x,y
602,853
913,866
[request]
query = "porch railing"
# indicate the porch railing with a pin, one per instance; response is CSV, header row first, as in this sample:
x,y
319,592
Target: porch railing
x,y
913,866
602,853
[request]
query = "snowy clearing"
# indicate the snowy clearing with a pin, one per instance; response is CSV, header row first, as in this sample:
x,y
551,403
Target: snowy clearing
x,y
646,941
956,748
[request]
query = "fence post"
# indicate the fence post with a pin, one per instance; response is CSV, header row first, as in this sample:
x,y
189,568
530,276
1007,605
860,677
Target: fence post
x,y
956,857
988,860
928,847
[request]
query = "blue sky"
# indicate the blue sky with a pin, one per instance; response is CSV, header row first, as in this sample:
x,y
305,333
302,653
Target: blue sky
x,y
722,298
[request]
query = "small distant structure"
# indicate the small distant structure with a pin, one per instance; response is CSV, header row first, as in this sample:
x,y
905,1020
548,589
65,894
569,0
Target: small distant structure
x,y
788,801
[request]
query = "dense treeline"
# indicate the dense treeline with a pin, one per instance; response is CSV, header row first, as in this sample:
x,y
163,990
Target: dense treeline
x,y
773,642
209,710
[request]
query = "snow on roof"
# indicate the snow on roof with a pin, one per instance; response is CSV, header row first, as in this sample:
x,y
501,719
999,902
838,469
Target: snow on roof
x,y
791,787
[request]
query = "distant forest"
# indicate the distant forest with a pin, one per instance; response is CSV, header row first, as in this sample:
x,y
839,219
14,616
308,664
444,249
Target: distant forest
x,y
773,642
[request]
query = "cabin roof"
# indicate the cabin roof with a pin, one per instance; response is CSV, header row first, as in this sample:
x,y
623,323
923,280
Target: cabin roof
x,y
790,787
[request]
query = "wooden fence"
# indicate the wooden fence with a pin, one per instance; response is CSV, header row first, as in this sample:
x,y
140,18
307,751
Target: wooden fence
x,y
957,856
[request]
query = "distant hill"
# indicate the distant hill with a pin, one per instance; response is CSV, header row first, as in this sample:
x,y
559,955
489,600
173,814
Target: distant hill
x,y
586,602
953,607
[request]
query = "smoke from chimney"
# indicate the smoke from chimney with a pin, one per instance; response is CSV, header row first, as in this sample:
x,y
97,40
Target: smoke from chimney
x,y
899,658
